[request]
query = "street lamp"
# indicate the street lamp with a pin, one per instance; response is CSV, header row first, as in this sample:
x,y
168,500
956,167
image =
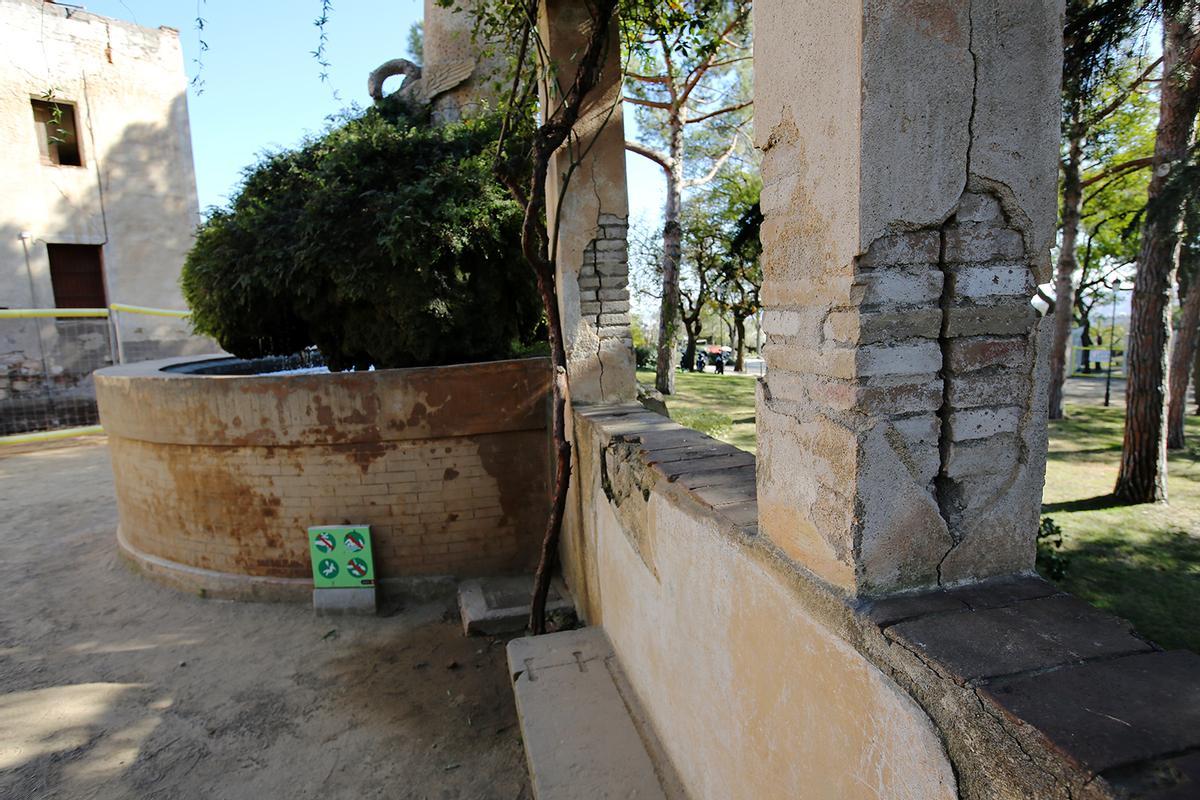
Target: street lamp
x,y
1112,327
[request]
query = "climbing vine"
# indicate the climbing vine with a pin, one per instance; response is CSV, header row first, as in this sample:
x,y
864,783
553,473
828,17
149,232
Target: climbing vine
x,y
200,23
321,54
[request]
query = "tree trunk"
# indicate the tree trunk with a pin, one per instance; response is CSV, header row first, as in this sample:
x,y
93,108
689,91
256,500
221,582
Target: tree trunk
x,y
1196,381
550,135
664,378
689,353
739,363
1183,355
1143,475
1064,284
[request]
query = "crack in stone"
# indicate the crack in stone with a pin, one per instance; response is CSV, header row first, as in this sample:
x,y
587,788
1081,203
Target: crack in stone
x,y
974,87
942,482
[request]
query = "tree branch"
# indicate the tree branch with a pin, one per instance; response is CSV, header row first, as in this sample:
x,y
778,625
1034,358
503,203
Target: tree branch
x,y
719,112
1122,96
637,101
647,78
661,159
1120,169
702,69
712,173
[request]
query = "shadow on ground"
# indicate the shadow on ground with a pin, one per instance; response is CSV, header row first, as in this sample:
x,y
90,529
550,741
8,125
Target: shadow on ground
x,y
1142,562
1153,582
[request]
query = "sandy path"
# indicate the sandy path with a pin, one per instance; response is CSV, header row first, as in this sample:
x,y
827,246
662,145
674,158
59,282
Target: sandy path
x,y
113,687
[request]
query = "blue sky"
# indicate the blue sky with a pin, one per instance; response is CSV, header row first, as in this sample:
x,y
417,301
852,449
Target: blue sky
x,y
261,83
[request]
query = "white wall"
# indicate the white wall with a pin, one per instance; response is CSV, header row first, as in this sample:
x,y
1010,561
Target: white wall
x,y
135,193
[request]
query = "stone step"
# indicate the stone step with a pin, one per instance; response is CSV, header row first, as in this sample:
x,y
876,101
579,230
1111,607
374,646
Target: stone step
x,y
580,738
494,606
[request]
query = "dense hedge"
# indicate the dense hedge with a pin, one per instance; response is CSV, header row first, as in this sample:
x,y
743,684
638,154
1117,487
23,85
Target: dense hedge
x,y
385,241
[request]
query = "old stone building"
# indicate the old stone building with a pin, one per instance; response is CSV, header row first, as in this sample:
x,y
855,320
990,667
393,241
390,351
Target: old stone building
x,y
99,203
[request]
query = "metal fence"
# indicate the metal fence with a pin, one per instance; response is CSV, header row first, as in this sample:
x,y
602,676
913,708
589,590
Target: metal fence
x,y
48,355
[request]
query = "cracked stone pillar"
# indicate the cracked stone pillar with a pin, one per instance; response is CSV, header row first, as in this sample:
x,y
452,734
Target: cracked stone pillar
x,y
910,171
590,214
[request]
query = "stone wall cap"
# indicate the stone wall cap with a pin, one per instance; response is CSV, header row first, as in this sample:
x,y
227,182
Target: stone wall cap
x,y
974,645
1109,714
145,403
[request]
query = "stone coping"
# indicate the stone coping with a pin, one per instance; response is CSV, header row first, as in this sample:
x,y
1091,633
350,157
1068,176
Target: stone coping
x,y
328,408
1034,692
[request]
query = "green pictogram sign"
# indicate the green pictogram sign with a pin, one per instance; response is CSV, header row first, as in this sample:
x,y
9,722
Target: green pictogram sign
x,y
341,556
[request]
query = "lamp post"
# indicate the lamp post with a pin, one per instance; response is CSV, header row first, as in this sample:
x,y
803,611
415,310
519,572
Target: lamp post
x,y
1112,327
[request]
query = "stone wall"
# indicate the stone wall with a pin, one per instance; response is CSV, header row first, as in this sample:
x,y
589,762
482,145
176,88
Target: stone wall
x,y
748,692
218,477
49,384
762,680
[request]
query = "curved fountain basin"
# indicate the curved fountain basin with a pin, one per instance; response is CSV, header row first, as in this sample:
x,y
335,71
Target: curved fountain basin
x,y
218,476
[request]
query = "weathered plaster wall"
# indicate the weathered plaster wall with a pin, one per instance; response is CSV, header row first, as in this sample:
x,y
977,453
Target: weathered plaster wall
x,y
459,77
135,193
762,680
218,477
750,695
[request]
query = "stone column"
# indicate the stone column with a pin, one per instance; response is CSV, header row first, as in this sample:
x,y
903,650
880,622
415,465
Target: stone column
x,y
588,215
910,171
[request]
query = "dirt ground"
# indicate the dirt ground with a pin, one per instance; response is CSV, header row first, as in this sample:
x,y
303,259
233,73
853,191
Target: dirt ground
x,y
114,687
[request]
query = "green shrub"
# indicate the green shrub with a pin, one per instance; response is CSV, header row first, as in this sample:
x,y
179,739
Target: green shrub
x,y
1051,559
384,241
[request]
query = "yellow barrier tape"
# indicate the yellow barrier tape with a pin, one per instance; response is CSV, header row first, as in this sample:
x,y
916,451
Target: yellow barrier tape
x,y
50,436
43,313
40,313
153,312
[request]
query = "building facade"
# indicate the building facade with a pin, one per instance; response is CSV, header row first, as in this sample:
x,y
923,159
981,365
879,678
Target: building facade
x,y
99,203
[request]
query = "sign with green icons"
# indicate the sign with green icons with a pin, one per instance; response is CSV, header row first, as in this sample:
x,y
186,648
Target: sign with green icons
x,y
341,556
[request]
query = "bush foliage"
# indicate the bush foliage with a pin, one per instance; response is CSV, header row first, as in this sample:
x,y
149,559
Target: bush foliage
x,y
385,241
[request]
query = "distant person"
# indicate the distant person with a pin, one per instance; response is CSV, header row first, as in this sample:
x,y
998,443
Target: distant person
x,y
719,363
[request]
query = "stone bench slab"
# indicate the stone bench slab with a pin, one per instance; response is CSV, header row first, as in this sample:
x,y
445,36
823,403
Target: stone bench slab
x,y
494,606
580,739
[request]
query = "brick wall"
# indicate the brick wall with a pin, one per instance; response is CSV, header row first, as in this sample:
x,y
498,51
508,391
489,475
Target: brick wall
x,y
604,282
448,465
908,381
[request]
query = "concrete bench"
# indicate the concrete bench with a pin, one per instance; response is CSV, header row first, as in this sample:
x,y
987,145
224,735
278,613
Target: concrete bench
x,y
580,738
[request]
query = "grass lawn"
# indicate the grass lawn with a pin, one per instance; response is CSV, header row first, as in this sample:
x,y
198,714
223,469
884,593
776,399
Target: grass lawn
x,y
1139,562
720,405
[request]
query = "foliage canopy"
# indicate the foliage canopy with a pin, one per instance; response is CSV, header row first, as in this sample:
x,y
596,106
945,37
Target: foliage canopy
x,y
385,241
